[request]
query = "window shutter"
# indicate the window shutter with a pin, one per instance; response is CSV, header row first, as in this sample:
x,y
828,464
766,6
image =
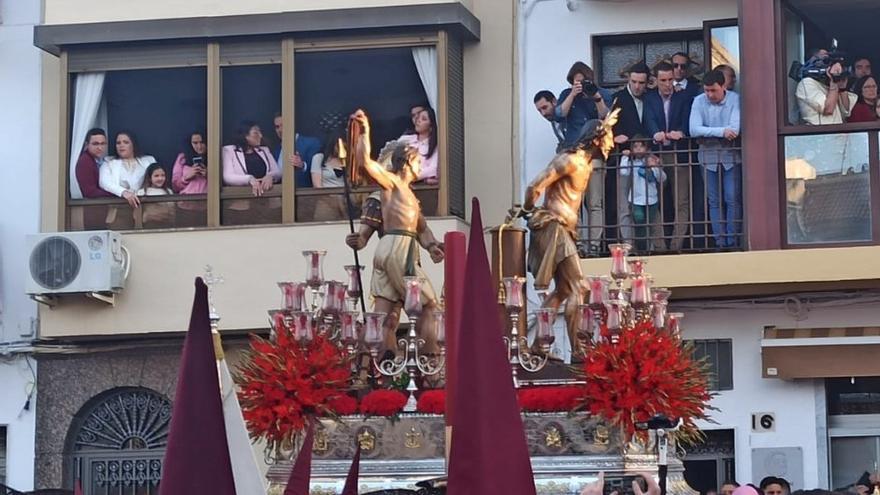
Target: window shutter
x,y
455,147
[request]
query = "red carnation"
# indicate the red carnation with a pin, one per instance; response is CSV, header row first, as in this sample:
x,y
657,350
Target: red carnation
x,y
343,405
383,403
432,402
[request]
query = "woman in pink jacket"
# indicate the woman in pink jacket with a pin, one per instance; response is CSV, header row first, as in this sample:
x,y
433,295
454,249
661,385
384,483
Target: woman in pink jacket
x,y
249,163
190,176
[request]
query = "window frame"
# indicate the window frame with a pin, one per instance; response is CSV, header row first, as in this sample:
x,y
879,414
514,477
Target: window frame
x,y
598,41
718,386
229,52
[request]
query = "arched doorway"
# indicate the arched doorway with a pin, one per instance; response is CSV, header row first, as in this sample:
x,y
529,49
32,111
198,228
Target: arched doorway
x,y
118,440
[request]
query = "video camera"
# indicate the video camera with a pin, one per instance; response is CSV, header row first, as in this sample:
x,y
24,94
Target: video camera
x,y
817,66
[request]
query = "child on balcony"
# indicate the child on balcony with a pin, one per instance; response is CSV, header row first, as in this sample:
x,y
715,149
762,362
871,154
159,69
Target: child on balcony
x,y
156,215
647,174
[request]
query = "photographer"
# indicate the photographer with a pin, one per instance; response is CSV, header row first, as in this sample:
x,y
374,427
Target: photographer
x,y
822,98
582,102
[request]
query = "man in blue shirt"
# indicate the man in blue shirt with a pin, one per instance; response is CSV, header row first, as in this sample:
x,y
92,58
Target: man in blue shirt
x,y
715,121
307,157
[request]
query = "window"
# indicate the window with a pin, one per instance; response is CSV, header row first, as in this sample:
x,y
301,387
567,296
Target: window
x,y
164,92
816,36
853,395
3,455
718,354
615,53
827,188
330,85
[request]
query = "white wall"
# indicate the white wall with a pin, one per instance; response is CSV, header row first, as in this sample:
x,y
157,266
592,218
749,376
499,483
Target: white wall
x,y
799,405
19,215
552,37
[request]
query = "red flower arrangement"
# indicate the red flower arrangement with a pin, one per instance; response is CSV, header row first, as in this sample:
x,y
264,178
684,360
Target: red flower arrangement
x,y
383,403
282,383
343,405
549,399
647,373
432,402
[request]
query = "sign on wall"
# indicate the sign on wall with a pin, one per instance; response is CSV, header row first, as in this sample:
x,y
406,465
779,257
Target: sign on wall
x,y
763,422
785,462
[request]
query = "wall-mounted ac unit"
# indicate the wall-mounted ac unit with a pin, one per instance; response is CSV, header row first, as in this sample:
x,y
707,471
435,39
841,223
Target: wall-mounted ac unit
x,y
93,263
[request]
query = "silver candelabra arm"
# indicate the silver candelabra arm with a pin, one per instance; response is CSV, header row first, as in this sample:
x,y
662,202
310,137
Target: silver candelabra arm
x,y
395,366
429,364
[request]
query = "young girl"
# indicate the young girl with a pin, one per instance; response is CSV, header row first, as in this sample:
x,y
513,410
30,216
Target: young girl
x,y
156,215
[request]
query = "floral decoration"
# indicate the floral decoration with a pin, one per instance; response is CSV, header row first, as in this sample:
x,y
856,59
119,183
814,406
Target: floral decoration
x,y
432,402
648,372
383,403
549,399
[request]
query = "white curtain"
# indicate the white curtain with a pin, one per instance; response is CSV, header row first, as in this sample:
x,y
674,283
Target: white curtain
x,y
425,58
88,102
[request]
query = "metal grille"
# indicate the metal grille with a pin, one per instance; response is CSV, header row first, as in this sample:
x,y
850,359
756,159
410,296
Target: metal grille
x,y
456,128
55,262
719,356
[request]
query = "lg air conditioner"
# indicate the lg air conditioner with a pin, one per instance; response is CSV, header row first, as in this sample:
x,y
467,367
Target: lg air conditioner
x,y
92,263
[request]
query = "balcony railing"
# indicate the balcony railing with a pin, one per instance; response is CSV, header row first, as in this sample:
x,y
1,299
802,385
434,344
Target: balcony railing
x,y
676,206
238,206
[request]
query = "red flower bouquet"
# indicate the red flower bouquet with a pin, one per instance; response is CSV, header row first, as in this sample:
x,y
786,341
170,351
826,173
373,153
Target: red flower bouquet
x,y
432,402
282,383
648,372
343,405
383,403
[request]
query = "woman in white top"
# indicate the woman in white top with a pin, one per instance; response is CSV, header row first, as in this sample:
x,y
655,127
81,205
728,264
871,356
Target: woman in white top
x,y
425,140
123,175
331,174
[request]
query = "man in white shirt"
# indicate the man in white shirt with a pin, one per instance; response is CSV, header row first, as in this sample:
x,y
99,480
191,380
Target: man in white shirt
x,y
827,101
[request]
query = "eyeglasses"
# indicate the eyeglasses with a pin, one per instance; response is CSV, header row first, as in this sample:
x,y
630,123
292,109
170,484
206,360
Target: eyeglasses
x,y
680,66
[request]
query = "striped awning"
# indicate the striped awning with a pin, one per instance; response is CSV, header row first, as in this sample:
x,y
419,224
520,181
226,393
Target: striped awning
x,y
790,353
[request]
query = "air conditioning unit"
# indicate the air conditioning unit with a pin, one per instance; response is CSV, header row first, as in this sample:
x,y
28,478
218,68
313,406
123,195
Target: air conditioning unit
x,y
93,263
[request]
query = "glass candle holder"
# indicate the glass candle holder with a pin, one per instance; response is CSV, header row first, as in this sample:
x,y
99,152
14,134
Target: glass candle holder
x,y
302,326
614,320
661,294
440,322
292,296
412,303
586,322
354,289
658,314
619,266
598,286
348,321
637,266
332,290
545,317
513,292
373,329
314,268
640,291
673,324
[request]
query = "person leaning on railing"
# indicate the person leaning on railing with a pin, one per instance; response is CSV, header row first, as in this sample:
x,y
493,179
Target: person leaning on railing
x,y
424,139
122,176
190,176
248,162
87,171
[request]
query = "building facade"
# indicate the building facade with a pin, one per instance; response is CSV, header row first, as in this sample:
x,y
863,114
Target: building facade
x,y
781,317
20,206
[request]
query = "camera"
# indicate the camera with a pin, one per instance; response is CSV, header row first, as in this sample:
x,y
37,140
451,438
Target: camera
x,y
590,88
658,422
623,485
817,66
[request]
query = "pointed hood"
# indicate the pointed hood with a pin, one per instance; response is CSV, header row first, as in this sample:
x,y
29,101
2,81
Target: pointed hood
x,y
351,481
197,457
489,451
301,474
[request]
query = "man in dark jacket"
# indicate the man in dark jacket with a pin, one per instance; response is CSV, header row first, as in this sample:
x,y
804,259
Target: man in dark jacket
x,y
87,175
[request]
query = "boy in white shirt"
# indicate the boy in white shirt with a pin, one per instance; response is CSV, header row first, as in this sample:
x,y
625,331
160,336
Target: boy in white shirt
x,y
647,176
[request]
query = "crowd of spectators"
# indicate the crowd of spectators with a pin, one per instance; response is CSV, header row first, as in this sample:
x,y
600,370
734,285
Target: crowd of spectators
x,y
664,113
247,161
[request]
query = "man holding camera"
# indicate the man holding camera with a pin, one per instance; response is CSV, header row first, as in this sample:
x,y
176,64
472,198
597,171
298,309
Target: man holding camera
x,y
582,102
823,99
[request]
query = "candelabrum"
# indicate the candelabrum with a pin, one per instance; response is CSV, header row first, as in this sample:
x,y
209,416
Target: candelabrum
x,y
327,307
519,353
411,356
618,307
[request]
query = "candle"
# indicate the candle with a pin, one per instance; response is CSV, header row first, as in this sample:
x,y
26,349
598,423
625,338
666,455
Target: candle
x,y
545,317
292,296
373,329
598,290
412,303
513,292
658,314
586,322
332,290
302,326
637,266
615,315
661,294
440,322
673,324
349,327
354,284
314,268
640,294
619,267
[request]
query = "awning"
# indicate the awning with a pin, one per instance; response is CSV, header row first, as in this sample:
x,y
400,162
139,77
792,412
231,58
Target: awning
x,y
790,353
451,15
